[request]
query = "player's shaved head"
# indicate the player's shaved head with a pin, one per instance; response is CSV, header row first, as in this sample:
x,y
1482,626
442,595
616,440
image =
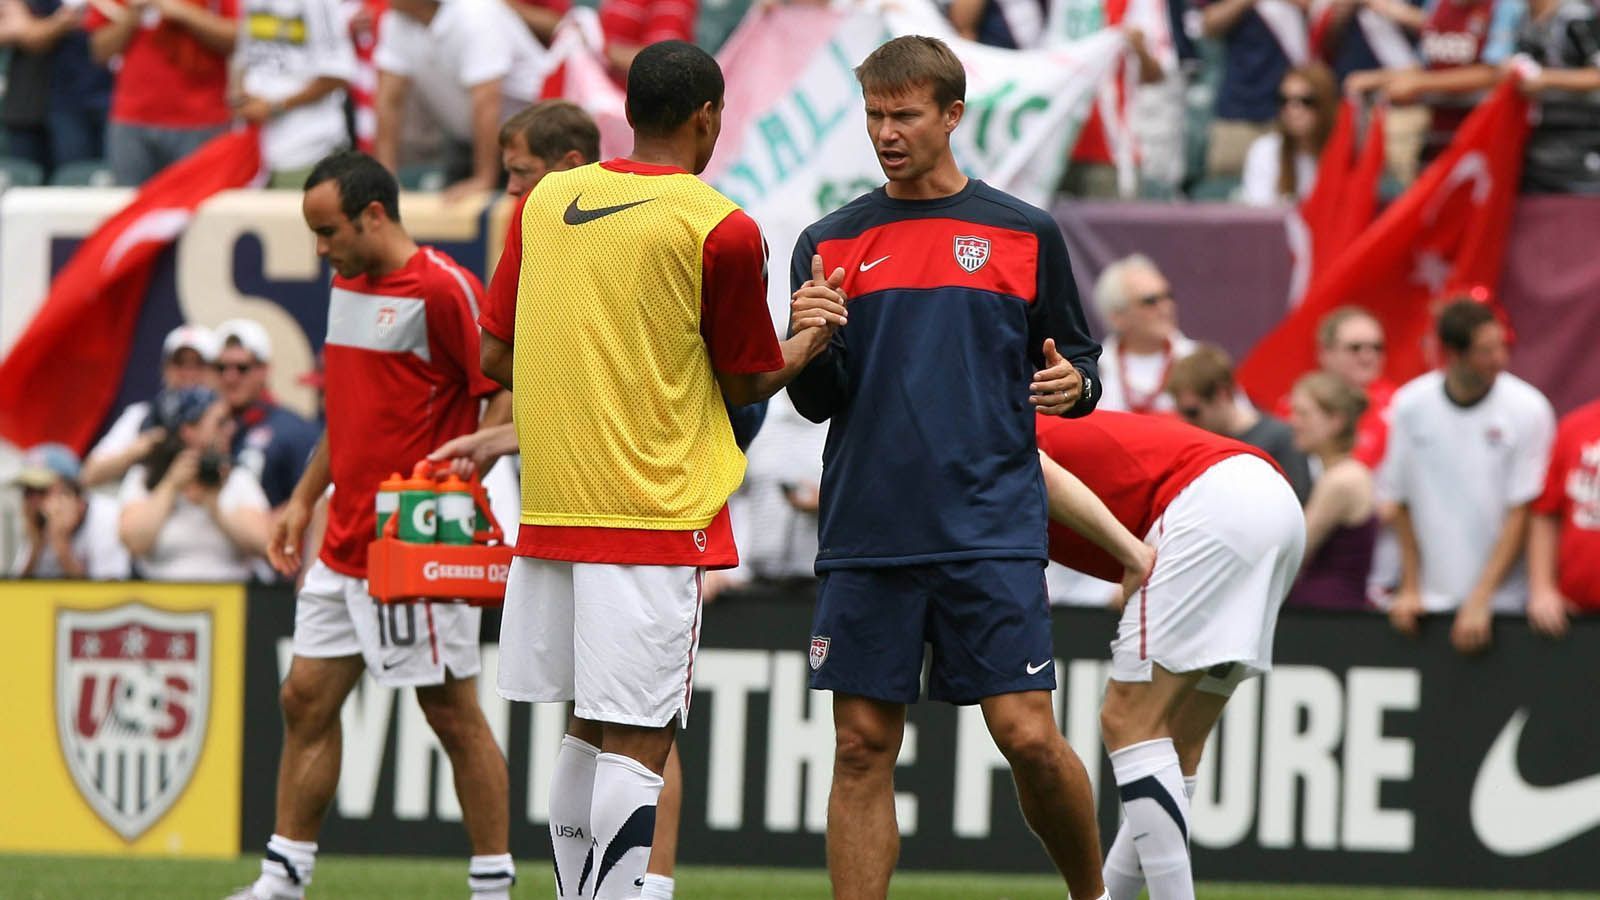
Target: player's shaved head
x,y
668,83
913,61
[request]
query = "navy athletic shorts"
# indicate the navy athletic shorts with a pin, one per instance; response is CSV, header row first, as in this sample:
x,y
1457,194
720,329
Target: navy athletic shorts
x,y
986,623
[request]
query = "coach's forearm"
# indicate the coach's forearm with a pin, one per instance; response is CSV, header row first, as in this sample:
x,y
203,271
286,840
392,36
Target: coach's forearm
x,y
798,352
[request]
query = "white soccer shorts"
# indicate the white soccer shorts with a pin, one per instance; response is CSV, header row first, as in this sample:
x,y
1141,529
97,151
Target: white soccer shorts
x,y
403,644
617,640
1227,551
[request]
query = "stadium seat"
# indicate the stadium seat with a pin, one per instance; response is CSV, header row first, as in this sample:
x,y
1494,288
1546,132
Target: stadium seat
x,y
422,178
19,173
1215,190
84,173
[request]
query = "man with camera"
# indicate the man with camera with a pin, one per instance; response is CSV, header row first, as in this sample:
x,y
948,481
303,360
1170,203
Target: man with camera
x,y
188,513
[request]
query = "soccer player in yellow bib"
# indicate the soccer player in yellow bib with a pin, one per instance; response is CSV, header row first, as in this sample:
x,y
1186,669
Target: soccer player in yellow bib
x,y
640,298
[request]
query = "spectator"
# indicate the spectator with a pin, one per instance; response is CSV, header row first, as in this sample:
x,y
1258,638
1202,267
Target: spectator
x,y
541,16
67,534
1463,44
1136,305
1341,514
170,92
270,441
56,97
632,25
188,355
188,513
295,61
1281,166
1468,447
1363,35
1204,393
1558,55
1261,39
1350,346
1011,24
1564,533
473,63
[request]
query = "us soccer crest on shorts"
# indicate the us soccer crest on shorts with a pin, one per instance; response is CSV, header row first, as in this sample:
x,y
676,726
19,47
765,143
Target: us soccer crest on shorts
x,y
971,252
819,651
133,690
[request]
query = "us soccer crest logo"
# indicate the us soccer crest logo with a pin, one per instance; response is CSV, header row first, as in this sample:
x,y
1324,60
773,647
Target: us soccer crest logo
x,y
819,651
133,690
971,252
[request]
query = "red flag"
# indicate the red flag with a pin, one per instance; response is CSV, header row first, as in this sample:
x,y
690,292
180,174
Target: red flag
x,y
1446,234
62,375
1341,205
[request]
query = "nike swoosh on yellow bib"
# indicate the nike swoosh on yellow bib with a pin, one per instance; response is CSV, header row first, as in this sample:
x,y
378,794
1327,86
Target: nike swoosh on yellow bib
x,y
576,215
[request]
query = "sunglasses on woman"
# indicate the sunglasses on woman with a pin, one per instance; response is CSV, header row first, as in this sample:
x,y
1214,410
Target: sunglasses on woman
x,y
1303,100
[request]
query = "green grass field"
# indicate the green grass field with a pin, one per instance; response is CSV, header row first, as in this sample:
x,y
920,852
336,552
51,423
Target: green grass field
x,y
372,878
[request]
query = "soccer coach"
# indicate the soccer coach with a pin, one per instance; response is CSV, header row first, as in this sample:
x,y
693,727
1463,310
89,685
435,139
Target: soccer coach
x,y
933,506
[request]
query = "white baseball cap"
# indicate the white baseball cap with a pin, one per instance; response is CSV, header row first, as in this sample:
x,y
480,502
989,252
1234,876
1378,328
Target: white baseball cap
x,y
250,335
194,337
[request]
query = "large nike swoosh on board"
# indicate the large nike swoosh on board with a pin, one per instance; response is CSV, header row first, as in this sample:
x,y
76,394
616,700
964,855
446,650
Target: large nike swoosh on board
x,y
1515,818
576,215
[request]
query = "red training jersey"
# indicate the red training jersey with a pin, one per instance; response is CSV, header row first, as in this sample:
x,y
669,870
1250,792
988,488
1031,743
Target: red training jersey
x,y
1572,495
1136,465
403,377
738,333
168,79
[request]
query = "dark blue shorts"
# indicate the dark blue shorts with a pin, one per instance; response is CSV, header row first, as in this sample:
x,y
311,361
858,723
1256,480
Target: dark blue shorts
x,y
987,622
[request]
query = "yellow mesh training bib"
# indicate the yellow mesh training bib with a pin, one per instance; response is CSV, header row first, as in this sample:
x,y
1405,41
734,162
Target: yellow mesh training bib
x,y
620,419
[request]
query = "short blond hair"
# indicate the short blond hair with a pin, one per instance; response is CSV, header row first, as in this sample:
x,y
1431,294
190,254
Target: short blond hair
x,y
913,61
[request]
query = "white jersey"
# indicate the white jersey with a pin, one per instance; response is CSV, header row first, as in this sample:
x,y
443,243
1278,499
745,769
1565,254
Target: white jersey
x,y
284,45
468,43
1458,470
191,545
1134,382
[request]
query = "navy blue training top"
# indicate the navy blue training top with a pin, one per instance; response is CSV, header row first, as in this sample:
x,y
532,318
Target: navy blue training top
x,y
931,455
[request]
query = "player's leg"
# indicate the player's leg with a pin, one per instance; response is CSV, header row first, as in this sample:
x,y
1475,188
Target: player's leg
x,y
636,633
536,666
989,624
482,785
658,883
325,668
863,837
867,638
1052,785
1135,722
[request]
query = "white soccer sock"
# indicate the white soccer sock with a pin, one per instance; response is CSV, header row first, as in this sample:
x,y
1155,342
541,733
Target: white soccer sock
x,y
286,869
657,887
1123,876
1157,811
491,877
624,818
571,797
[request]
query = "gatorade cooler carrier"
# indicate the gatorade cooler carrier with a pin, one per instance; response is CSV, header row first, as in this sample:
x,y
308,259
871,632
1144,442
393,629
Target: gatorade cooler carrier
x,y
403,572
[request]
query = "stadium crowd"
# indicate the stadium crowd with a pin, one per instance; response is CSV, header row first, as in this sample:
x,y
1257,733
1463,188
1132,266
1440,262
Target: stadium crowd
x,y
1237,102
184,486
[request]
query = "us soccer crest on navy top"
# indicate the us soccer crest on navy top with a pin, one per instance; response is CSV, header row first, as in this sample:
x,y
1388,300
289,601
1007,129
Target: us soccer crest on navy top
x,y
133,690
971,252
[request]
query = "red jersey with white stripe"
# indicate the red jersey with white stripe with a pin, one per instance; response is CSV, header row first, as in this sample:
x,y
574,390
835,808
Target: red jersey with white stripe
x,y
1136,465
403,377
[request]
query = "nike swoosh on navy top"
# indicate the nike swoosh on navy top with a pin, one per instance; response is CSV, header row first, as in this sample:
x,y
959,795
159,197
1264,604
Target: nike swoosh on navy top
x,y
868,266
1515,818
576,215
1034,670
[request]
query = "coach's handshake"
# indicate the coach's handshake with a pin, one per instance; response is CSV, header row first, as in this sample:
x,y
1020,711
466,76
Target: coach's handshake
x,y
820,303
